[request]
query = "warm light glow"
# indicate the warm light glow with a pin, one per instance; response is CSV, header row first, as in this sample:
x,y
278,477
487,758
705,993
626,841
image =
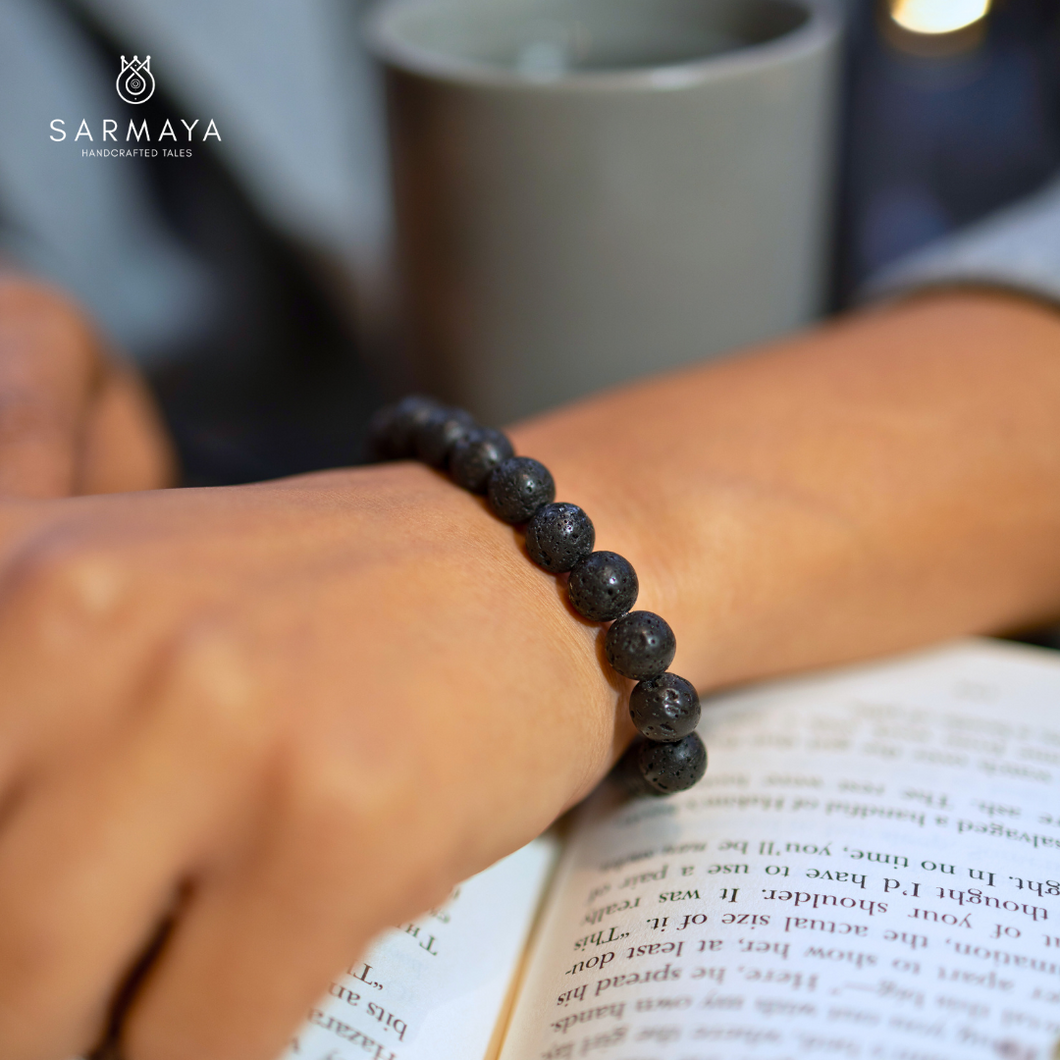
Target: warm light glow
x,y
937,16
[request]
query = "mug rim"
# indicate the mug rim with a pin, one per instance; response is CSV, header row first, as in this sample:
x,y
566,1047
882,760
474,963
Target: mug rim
x,y
820,27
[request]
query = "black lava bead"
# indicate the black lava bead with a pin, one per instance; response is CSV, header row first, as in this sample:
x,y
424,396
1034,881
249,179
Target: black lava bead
x,y
558,536
392,430
473,457
672,767
518,487
439,432
640,645
650,768
603,586
665,708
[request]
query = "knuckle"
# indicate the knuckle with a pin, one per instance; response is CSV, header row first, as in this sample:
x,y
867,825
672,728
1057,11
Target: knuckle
x,y
212,679
58,586
321,806
336,824
325,795
336,812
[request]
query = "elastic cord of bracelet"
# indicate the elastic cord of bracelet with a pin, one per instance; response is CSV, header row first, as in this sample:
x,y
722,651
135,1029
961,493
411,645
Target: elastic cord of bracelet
x,y
669,756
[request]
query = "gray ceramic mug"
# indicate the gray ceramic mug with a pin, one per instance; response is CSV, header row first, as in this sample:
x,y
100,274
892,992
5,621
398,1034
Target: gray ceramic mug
x,y
591,190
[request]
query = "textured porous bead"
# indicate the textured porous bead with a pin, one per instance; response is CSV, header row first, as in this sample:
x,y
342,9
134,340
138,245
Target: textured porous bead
x,y
640,645
558,536
665,708
603,586
392,430
650,768
473,457
439,432
518,487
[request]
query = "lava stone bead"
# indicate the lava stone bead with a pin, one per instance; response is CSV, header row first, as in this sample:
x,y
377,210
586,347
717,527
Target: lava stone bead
x,y
392,430
473,457
558,536
665,708
640,645
652,768
439,432
518,487
603,586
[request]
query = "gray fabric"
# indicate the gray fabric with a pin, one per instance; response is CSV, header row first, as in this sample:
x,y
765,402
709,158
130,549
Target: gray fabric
x,y
85,224
1017,248
293,95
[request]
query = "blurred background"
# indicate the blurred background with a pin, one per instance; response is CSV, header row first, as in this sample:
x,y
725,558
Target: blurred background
x,y
252,281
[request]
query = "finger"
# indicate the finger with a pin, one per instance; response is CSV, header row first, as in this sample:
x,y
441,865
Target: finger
x,y
256,947
125,446
48,368
92,860
88,600
259,944
88,608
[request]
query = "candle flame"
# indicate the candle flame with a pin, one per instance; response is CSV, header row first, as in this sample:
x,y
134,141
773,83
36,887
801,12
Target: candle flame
x,y
937,16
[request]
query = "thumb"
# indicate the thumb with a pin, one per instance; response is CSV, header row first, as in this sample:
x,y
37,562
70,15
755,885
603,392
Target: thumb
x,y
49,370
125,446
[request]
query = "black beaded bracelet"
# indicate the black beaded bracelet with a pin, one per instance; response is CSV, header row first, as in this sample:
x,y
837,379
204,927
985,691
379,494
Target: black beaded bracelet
x,y
669,757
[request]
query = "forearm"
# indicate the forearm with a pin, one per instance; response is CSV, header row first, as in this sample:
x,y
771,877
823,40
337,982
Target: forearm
x,y
890,480
272,691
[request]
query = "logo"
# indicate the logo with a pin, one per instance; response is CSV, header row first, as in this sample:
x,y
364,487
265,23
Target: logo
x,y
136,83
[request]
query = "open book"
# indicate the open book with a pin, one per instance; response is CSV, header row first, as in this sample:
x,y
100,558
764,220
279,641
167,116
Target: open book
x,y
868,869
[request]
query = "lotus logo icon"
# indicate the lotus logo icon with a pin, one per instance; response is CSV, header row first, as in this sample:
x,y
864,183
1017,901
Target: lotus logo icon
x,y
136,84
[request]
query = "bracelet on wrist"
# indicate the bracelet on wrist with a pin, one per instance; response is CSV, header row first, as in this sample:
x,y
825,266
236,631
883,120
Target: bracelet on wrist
x,y
669,756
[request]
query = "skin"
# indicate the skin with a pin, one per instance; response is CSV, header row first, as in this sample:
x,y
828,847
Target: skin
x,y
72,419
291,714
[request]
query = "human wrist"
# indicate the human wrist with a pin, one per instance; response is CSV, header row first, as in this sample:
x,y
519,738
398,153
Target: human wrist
x,y
791,505
601,585
479,566
728,558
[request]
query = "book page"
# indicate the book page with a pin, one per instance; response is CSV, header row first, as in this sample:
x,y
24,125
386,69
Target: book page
x,y
868,869
434,989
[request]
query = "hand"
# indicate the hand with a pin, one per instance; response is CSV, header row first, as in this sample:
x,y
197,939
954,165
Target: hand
x,y
292,714
72,420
